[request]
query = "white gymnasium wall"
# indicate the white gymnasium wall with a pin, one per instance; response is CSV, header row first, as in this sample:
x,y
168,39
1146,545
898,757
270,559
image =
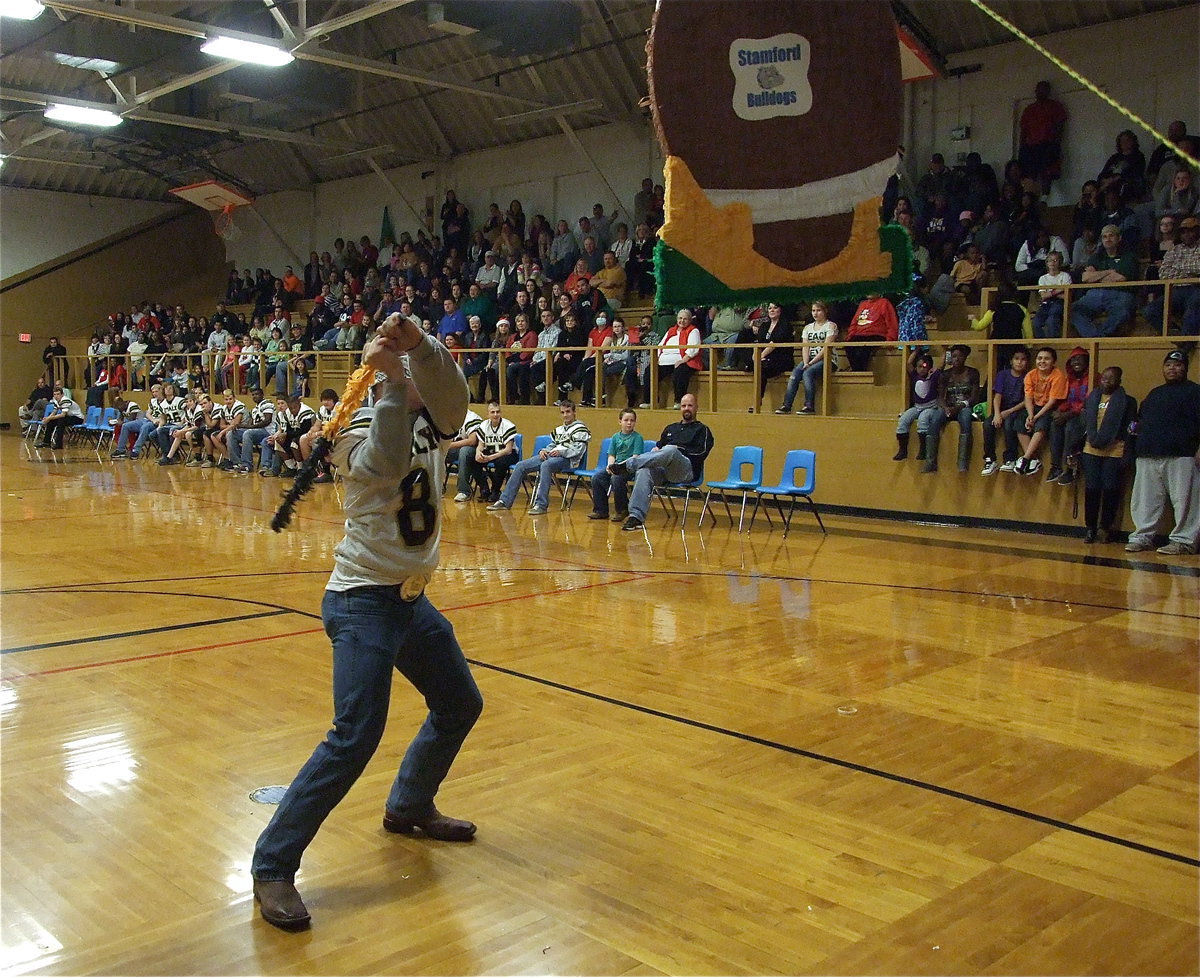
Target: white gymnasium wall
x,y
549,176
39,225
1150,64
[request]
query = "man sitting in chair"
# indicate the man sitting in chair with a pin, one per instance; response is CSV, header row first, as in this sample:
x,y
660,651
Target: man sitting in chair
x,y
678,458
568,447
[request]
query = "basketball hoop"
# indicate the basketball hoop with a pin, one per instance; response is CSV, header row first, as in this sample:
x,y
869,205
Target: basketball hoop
x,y
220,201
223,223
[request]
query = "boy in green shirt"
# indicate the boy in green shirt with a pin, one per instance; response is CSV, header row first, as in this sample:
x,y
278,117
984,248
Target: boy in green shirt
x,y
625,444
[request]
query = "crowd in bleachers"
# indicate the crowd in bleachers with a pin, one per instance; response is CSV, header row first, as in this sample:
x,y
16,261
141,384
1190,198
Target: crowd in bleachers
x,y
970,229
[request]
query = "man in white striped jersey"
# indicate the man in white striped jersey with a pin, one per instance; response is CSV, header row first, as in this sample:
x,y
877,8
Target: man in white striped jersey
x,y
66,414
250,434
568,448
497,448
230,414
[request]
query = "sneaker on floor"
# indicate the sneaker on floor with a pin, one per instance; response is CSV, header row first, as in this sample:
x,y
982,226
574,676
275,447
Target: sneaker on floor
x,y
588,403
990,467
462,497
643,406
783,410
540,388
269,473
536,510
1138,546
597,515
207,463
1008,466
193,463
620,516
325,478
1054,474
1176,549
1067,477
807,409
1033,467
632,525
497,506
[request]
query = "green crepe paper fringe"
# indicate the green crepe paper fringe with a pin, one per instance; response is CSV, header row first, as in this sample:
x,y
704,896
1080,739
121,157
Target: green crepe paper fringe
x,y
682,283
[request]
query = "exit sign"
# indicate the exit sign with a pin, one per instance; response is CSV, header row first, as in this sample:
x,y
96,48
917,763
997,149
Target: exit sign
x,y
25,337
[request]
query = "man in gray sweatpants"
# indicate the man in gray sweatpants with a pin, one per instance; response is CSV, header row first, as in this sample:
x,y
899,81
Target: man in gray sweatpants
x,y
1168,462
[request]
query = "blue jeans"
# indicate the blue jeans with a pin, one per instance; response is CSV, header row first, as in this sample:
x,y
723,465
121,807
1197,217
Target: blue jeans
x,y
1047,321
1115,305
1185,300
463,459
651,468
135,431
546,471
373,631
810,376
922,415
602,481
164,437
247,441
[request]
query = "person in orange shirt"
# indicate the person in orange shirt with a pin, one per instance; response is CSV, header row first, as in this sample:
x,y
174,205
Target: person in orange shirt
x,y
1045,388
292,283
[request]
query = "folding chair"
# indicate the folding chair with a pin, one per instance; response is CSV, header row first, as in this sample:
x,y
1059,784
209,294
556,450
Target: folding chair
x,y
745,457
687,488
90,428
797,458
540,442
572,476
108,418
34,430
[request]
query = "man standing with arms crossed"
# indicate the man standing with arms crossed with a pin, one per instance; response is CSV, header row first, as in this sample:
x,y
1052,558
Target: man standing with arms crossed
x,y
392,460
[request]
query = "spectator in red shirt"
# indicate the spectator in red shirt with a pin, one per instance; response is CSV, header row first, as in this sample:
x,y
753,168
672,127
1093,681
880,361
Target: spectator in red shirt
x,y
1042,125
874,321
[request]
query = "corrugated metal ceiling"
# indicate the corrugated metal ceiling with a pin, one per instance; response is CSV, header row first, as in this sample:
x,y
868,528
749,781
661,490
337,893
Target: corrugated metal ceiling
x,y
374,83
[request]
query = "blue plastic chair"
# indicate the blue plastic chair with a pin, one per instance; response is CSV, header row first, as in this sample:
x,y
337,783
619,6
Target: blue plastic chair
x,y
796,459
34,429
745,476
90,428
108,418
572,476
667,492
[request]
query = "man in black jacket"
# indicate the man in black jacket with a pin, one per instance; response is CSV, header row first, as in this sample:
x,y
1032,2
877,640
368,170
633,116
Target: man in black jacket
x,y
677,459
1168,461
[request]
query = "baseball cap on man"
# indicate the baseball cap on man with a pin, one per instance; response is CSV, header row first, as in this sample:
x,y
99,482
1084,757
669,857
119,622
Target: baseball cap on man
x,y
1176,356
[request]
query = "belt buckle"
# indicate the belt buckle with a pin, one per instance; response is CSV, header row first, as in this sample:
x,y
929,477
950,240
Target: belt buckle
x,y
413,587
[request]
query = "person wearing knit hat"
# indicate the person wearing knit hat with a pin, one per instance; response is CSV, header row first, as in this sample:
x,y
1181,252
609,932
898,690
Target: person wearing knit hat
x,y
1168,462
1066,423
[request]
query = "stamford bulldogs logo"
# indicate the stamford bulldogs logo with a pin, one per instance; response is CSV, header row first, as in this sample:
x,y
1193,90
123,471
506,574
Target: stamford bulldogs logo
x,y
770,76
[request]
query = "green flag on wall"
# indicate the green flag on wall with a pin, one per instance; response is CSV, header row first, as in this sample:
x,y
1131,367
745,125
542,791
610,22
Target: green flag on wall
x,y
387,233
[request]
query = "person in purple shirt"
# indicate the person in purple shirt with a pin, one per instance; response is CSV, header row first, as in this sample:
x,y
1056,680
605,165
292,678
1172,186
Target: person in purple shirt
x,y
452,322
1008,397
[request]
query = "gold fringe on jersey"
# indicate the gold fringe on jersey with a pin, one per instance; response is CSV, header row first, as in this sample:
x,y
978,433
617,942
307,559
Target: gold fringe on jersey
x,y
357,388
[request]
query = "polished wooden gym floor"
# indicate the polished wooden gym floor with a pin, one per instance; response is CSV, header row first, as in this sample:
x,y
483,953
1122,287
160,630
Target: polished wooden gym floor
x,y
892,749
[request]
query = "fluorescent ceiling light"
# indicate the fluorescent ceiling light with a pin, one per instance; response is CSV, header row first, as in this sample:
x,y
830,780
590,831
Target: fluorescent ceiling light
x,y
250,52
82,116
21,9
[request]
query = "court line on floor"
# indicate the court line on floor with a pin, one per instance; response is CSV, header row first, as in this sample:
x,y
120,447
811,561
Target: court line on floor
x,y
847,764
269,637
1086,559
79,587
144,631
